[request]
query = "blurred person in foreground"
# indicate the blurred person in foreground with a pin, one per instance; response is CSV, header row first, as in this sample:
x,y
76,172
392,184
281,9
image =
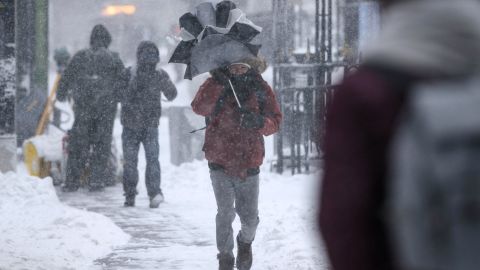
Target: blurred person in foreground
x,y
421,42
92,79
140,117
234,148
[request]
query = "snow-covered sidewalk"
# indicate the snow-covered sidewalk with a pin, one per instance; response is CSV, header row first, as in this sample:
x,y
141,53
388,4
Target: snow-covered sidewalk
x,y
181,233
37,231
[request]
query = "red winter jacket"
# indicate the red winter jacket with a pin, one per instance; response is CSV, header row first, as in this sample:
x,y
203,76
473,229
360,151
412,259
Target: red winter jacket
x,y
226,142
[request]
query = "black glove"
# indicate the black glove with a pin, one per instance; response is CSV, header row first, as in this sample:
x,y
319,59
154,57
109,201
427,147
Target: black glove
x,y
251,120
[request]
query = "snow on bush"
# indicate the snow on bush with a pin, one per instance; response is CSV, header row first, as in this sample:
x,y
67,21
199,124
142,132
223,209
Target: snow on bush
x,y
38,232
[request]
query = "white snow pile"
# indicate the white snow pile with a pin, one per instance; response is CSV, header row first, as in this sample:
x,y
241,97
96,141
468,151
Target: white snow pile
x,y
49,146
38,232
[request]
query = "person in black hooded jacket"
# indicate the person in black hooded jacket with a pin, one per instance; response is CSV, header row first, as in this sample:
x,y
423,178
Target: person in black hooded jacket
x,y
141,110
91,80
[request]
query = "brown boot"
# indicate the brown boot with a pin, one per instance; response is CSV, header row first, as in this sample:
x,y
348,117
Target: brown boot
x,y
225,261
244,255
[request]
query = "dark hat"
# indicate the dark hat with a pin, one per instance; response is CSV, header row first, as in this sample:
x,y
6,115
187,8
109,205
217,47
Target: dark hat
x,y
147,53
100,37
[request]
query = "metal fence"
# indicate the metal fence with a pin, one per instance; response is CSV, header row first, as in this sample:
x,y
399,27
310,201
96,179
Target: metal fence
x,y
303,82
304,100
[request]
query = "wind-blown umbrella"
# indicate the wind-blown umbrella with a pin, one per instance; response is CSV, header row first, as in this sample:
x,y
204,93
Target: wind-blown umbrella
x,y
216,51
214,37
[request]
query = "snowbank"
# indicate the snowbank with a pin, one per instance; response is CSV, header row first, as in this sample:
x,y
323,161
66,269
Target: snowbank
x,y
38,232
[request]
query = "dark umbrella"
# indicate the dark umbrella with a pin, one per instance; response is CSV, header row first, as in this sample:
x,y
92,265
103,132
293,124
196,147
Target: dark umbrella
x,y
206,47
216,51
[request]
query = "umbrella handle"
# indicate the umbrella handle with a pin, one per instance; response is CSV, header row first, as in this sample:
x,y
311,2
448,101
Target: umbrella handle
x,y
235,94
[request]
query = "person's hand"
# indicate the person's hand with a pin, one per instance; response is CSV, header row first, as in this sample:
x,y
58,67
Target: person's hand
x,y
251,120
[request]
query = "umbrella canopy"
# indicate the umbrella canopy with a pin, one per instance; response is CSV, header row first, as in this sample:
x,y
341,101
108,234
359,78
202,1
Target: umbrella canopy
x,y
214,37
216,51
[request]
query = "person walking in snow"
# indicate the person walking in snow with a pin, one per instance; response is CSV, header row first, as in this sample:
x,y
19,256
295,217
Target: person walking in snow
x,y
422,43
234,148
92,80
141,110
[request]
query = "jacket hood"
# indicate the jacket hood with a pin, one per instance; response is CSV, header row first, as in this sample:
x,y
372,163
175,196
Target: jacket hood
x,y
147,53
100,37
259,64
432,39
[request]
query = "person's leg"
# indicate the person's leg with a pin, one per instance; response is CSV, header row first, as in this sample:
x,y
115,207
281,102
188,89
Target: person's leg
x,y
78,150
131,145
225,197
246,205
152,172
102,148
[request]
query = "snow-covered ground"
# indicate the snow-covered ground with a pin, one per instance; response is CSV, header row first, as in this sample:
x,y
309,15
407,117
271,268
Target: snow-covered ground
x,y
37,231
40,231
181,233
286,237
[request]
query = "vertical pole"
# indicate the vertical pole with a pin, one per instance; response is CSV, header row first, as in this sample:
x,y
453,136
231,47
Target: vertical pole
x,y
276,79
8,140
323,33
329,42
330,26
317,31
338,23
40,64
32,65
351,19
2,33
320,95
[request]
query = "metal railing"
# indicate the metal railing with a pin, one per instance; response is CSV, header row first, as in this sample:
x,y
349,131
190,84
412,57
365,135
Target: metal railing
x,y
304,105
304,86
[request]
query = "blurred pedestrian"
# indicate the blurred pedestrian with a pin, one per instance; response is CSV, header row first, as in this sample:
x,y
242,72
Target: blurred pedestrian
x,y
421,41
92,80
240,108
141,111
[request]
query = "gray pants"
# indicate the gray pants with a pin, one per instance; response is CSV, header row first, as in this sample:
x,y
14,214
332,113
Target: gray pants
x,y
243,193
131,140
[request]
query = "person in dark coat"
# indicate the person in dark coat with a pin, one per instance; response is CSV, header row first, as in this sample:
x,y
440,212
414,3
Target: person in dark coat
x,y
91,79
234,148
420,41
141,110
